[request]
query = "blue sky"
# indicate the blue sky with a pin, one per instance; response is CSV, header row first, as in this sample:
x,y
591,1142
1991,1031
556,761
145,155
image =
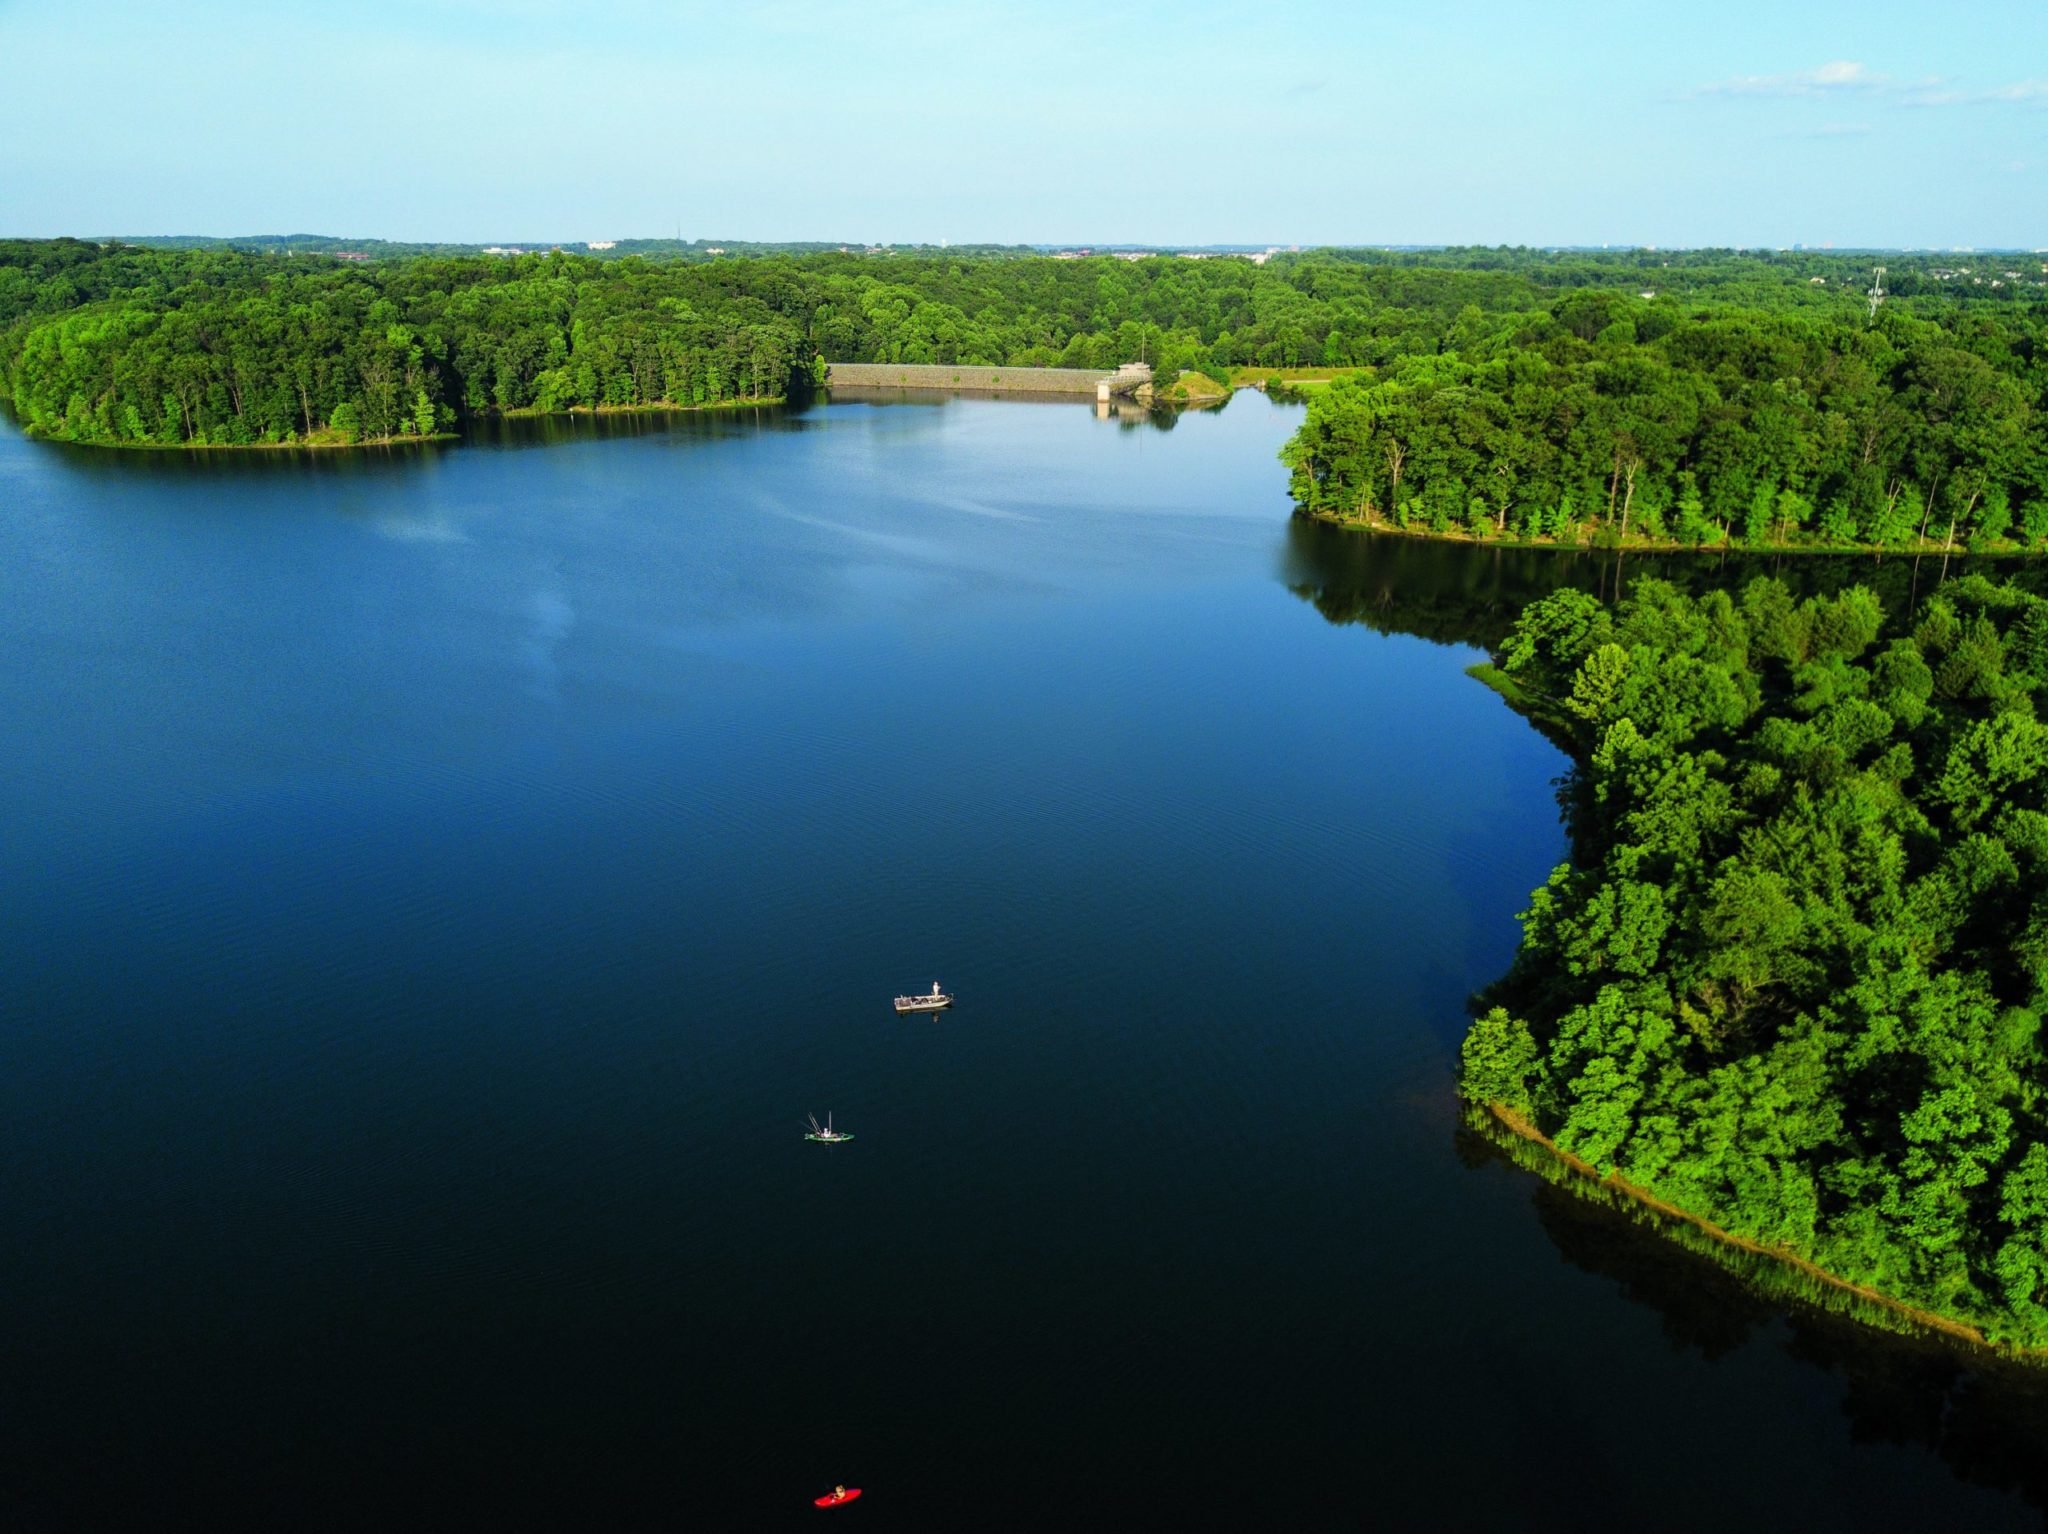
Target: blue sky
x,y
1729,122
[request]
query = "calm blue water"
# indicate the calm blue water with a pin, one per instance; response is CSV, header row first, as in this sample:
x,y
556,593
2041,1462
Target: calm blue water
x,y
437,886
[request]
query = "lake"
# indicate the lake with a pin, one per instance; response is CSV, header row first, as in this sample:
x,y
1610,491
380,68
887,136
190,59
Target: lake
x,y
438,885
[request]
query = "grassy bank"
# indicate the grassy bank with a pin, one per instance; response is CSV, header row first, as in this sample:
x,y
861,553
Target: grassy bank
x,y
1555,725
1194,389
1779,1272
1637,544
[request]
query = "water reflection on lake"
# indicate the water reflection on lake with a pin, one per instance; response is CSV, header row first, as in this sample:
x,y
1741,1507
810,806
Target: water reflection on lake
x,y
440,881
1467,593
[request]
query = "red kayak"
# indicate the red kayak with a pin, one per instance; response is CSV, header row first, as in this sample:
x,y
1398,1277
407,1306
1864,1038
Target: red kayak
x,y
833,1499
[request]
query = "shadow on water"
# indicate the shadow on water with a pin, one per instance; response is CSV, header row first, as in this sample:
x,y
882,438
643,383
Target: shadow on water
x,y
1469,593
154,465
373,461
718,425
1985,1419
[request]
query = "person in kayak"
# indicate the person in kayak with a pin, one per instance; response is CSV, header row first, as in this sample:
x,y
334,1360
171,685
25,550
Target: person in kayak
x,y
839,1494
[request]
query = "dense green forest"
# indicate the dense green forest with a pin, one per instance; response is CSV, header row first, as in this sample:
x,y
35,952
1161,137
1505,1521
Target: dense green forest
x,y
207,344
1793,978
1619,417
219,347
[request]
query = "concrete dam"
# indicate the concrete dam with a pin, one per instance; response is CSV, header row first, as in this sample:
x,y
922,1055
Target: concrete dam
x,y
1085,383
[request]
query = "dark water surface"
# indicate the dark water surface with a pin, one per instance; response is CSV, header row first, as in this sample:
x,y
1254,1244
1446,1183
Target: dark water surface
x,y
437,885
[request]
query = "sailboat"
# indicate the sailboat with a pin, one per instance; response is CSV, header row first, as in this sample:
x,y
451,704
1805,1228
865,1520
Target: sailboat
x,y
824,1133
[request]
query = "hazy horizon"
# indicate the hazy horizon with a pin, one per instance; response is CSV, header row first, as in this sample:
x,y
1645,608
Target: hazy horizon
x,y
1096,246
1868,126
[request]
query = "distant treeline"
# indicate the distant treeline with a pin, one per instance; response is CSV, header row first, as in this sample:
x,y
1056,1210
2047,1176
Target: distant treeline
x,y
1613,416
612,250
195,344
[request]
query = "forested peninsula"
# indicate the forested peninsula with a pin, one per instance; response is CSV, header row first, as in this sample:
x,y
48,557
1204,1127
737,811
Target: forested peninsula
x,y
1792,980
1629,420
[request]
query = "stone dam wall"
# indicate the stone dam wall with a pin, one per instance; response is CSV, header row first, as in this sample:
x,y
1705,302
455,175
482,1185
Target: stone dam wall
x,y
918,375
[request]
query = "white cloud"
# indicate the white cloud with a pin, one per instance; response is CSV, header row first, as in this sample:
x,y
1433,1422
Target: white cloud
x,y
2019,90
1841,78
1829,78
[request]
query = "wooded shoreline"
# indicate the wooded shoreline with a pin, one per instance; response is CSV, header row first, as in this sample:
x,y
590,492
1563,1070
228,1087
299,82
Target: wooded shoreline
x,y
326,442
1601,544
1575,1170
288,445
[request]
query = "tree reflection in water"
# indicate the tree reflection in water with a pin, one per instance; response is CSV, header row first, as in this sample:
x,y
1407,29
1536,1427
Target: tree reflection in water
x,y
1470,593
1986,1419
